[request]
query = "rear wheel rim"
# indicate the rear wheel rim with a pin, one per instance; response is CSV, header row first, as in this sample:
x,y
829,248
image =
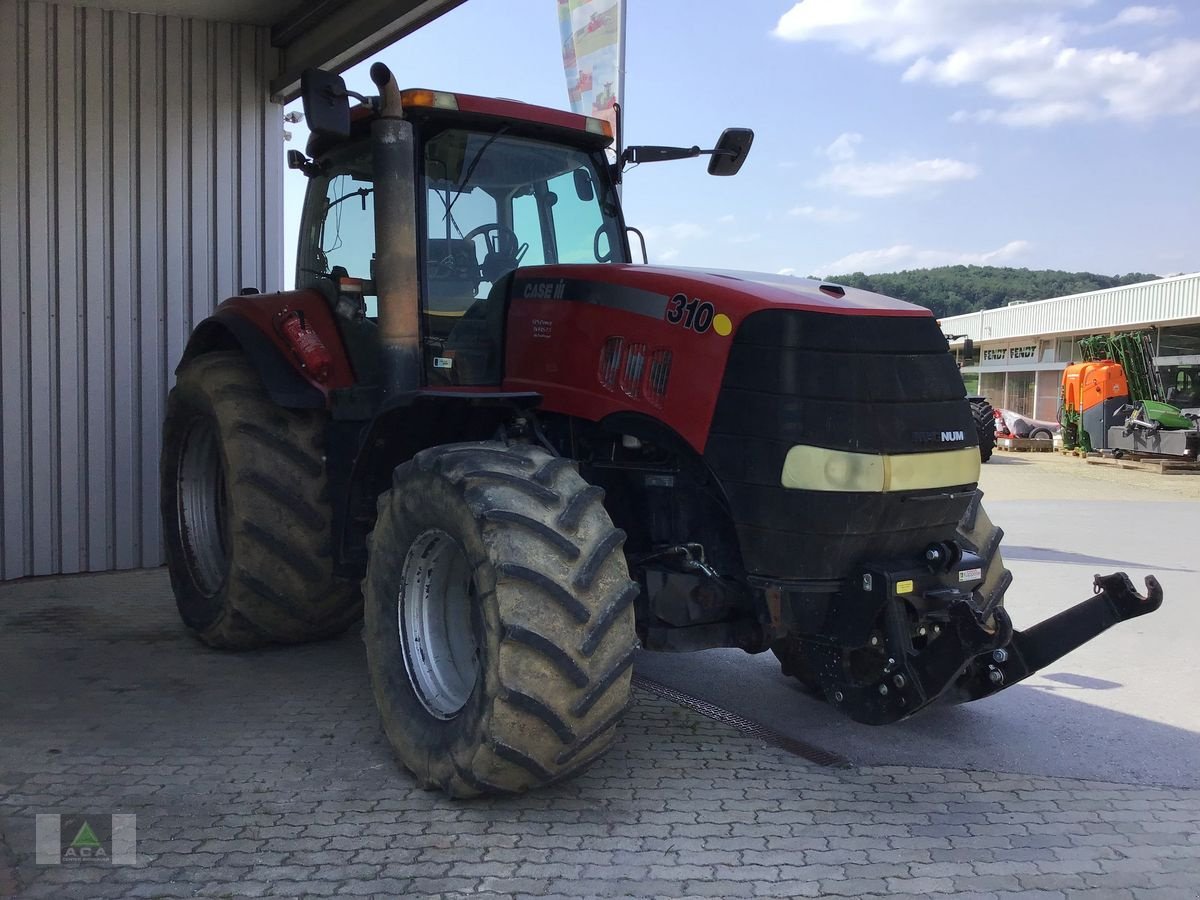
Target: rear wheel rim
x,y
435,616
202,507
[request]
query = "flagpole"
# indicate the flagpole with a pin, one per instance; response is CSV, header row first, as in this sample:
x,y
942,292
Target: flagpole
x,y
620,118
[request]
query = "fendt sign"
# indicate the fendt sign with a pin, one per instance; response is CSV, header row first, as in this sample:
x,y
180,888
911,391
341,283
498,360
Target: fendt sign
x,y
998,357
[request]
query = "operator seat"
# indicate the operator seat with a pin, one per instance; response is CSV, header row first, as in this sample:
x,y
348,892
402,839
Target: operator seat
x,y
452,282
476,342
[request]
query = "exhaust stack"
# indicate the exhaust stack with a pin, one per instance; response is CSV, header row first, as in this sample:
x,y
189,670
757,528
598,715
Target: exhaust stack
x,y
396,260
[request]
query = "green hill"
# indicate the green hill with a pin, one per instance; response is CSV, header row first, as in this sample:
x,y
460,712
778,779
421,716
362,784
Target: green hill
x,y
951,290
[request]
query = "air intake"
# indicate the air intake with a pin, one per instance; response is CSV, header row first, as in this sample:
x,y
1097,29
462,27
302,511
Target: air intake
x,y
610,361
631,370
660,372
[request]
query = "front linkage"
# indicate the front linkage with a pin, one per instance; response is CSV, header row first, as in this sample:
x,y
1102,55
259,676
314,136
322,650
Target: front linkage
x,y
918,641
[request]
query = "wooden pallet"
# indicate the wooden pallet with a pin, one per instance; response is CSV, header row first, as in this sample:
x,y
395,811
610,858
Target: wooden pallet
x,y
1156,465
1025,445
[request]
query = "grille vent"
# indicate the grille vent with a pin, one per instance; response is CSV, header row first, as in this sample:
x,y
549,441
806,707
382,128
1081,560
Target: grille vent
x,y
610,361
637,370
656,378
632,368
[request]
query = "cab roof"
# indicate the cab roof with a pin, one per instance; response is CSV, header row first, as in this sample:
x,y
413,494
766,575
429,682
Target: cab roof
x,y
472,110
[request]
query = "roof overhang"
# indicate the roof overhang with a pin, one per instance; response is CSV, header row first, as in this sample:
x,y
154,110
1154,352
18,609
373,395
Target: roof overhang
x,y
336,34
327,34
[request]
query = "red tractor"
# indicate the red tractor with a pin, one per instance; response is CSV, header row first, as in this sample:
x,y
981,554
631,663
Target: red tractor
x,y
519,457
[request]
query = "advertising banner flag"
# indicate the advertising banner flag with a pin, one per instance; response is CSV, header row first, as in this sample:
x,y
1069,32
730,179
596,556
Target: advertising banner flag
x,y
593,49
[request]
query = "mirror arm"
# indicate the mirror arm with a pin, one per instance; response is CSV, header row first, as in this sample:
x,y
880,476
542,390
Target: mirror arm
x,y
662,154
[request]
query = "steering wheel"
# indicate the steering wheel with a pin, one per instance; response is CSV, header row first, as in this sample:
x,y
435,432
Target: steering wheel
x,y
503,247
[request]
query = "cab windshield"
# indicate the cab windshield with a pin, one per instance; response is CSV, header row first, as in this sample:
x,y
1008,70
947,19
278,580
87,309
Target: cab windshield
x,y
495,202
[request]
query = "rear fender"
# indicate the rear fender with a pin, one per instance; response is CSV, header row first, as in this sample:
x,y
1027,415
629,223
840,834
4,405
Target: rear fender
x,y
247,324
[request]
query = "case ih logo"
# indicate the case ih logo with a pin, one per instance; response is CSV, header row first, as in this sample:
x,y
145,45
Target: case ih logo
x,y
544,290
938,437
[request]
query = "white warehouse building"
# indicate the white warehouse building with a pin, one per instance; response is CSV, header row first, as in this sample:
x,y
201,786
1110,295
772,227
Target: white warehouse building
x,y
1022,349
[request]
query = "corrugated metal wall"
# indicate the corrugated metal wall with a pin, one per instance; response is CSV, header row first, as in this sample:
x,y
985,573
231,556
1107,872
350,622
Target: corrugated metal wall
x,y
140,180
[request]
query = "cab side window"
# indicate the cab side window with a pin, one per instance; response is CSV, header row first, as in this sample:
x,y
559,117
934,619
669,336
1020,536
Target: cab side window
x,y
338,227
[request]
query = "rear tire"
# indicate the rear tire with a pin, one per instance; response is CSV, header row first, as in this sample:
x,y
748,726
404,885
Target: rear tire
x,y
985,427
512,545
245,513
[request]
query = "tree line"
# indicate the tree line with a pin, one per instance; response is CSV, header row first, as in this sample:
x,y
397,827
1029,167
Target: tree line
x,y
953,290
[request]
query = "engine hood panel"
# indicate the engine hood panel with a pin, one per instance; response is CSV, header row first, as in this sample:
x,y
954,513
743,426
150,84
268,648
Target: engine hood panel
x,y
735,293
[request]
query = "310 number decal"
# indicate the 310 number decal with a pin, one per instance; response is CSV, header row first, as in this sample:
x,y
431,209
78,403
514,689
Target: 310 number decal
x,y
695,314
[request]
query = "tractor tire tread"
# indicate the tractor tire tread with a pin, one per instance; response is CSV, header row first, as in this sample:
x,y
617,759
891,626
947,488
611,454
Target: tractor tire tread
x,y
549,708
281,586
985,427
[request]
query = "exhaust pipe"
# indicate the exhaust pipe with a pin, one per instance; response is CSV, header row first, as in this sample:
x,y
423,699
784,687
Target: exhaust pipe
x,y
396,255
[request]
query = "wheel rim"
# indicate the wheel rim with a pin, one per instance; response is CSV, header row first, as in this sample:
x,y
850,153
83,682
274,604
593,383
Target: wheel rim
x,y
437,631
201,507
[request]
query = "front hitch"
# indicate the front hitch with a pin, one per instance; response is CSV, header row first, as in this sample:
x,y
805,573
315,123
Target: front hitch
x,y
898,654
1114,600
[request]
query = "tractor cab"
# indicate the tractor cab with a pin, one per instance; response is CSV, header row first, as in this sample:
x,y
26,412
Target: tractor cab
x,y
499,185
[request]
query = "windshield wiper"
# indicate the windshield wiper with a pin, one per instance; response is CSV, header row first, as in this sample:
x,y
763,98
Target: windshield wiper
x,y
361,192
471,168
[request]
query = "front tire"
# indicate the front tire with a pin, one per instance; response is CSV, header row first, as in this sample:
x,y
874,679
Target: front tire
x,y
499,619
245,512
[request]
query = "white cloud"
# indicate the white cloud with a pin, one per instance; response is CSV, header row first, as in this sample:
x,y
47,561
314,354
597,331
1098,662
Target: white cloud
x,y
678,231
1144,15
788,271
906,256
823,213
727,218
887,179
666,242
1027,54
844,146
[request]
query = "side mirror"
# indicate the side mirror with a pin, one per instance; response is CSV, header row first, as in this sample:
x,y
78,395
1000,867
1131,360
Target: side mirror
x,y
731,151
326,103
583,185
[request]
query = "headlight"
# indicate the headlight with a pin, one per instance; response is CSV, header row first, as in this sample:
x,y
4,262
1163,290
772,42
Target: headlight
x,y
818,469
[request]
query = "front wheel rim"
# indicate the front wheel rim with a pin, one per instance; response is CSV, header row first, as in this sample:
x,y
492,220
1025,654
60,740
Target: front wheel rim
x,y
435,613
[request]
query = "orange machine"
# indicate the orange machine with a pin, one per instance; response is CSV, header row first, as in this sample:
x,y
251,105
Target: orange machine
x,y
1092,394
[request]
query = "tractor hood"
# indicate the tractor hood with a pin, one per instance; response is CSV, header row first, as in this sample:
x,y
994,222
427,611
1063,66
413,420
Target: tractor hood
x,y
734,294
596,340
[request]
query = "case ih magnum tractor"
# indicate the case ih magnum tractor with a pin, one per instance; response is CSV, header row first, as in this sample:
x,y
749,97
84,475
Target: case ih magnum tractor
x,y
517,456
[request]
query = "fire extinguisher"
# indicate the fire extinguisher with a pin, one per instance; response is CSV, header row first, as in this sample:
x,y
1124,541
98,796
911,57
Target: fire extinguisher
x,y
305,344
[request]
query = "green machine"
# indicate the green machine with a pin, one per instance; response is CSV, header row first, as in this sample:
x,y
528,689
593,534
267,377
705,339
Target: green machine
x,y
1150,424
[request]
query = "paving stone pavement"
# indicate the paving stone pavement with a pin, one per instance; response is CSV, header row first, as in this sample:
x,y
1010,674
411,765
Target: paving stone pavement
x,y
265,774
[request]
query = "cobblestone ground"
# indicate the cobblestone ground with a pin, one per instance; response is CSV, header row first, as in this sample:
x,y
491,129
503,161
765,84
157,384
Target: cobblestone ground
x,y
265,774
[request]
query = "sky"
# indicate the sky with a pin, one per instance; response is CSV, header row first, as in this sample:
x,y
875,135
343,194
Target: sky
x,y
889,134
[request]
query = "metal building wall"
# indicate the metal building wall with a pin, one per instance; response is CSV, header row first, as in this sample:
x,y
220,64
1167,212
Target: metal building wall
x,y
1158,302
140,182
